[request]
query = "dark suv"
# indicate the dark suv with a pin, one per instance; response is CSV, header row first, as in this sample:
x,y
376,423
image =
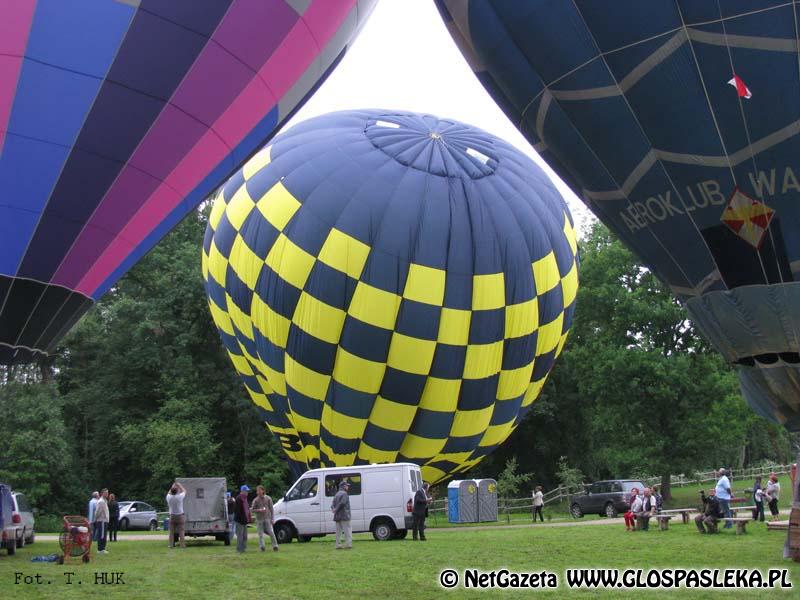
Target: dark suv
x,y
607,498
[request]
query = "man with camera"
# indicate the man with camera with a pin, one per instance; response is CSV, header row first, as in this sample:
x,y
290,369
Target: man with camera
x,y
710,514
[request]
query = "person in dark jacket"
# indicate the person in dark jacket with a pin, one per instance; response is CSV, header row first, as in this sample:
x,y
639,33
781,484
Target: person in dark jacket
x,y
758,500
113,512
711,512
341,516
231,510
419,512
241,515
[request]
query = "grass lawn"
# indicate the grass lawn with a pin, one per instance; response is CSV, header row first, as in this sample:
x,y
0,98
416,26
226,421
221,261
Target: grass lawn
x,y
398,569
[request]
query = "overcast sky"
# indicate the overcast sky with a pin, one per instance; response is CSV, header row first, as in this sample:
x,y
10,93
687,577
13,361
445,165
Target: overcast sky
x,y
405,59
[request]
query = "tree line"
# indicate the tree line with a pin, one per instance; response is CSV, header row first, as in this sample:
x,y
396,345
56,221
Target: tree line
x,y
141,391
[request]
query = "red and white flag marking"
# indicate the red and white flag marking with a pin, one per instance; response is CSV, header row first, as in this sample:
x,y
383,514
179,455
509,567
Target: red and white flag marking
x,y
741,88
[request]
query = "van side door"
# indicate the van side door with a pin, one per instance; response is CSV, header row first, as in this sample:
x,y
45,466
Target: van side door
x,y
304,505
356,500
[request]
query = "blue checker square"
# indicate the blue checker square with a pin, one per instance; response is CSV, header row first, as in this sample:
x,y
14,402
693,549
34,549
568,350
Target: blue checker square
x,y
269,353
458,291
258,234
209,235
348,401
482,451
310,351
519,352
551,304
230,342
330,286
259,184
448,361
248,344
431,424
506,410
303,405
385,272
404,388
337,444
224,236
418,320
306,439
238,291
383,439
216,292
487,326
569,312
279,295
364,340
477,393
232,185
543,365
443,465
307,231
462,444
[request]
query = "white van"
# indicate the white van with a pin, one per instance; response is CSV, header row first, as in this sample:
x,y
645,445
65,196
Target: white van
x,y
381,497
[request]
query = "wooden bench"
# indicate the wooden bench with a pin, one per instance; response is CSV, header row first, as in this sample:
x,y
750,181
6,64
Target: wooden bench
x,y
684,512
777,525
741,522
663,521
737,509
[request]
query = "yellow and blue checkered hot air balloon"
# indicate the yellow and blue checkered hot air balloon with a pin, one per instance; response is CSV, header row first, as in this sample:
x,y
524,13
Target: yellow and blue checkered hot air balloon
x,y
391,287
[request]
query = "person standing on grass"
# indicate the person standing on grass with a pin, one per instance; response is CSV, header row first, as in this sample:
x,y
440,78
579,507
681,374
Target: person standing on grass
x,y
101,521
264,511
630,516
419,511
242,517
341,516
724,496
113,514
538,503
758,501
177,518
92,505
710,514
773,493
659,500
231,510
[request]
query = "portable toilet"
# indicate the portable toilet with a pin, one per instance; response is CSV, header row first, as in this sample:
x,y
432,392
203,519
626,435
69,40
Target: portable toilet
x,y
462,501
487,499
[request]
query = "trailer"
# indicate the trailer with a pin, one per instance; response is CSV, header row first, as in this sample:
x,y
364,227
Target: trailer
x,y
205,507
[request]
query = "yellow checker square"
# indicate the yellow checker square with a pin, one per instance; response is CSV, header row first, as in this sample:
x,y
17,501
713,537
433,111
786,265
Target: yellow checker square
x,y
339,460
522,319
217,210
311,454
204,266
276,379
278,206
425,284
432,473
412,355
274,326
415,446
561,343
259,399
440,394
545,273
220,317
344,253
533,391
239,207
488,291
345,426
456,457
373,455
513,382
259,160
569,285
217,264
318,319
265,386
454,327
290,261
246,263
240,363
306,381
374,306
483,360
471,422
549,335
496,434
392,415
305,425
239,318
569,233
358,373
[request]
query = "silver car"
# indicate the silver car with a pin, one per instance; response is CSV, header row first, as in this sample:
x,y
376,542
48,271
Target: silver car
x,y
137,515
26,520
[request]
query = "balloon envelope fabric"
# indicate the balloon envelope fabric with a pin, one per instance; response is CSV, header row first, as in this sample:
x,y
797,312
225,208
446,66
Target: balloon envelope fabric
x,y
391,287
117,117
677,122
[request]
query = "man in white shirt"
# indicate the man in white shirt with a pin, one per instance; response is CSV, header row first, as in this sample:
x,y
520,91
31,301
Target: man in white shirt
x,y
538,503
724,495
177,520
772,494
647,509
101,521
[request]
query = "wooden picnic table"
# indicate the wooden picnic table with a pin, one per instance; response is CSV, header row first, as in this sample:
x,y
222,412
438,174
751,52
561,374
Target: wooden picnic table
x,y
736,509
684,512
740,524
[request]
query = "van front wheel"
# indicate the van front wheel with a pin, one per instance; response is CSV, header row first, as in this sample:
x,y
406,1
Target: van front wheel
x,y
383,530
284,533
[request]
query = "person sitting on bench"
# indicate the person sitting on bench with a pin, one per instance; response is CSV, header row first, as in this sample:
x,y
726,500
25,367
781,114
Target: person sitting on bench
x,y
648,509
710,514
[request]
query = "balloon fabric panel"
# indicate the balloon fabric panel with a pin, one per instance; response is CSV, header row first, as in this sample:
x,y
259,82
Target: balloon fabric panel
x,y
677,123
118,118
386,295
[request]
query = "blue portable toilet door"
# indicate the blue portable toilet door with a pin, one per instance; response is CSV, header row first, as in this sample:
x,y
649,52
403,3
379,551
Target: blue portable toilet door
x,y
452,502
